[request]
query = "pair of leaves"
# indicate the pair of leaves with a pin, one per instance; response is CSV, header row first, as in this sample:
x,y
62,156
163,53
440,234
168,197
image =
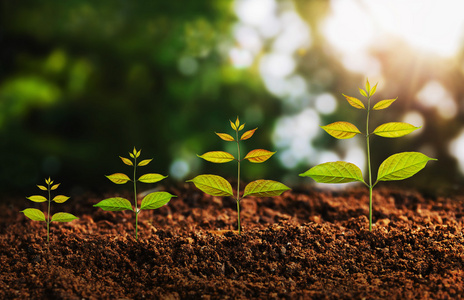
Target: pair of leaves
x,y
37,215
57,199
227,137
356,103
150,201
135,153
396,167
140,164
254,156
54,187
346,130
215,185
236,126
120,178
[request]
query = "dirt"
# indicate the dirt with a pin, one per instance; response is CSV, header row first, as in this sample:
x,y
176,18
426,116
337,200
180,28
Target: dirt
x,y
306,244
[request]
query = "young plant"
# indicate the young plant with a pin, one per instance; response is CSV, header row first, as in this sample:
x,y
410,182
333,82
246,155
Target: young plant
x,y
150,201
396,167
37,215
217,186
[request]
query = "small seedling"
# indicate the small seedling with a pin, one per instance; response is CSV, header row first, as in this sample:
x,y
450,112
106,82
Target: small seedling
x,y
217,186
396,167
151,201
37,215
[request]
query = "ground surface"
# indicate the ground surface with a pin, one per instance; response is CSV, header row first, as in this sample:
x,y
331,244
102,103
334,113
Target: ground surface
x,y
305,244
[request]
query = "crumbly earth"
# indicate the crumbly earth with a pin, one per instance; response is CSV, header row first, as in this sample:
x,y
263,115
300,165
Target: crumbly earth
x,y
305,244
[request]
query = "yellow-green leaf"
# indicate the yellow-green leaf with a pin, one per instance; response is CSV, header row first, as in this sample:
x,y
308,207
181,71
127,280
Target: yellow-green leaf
x,y
258,155
213,185
368,86
248,134
264,188
237,123
341,130
402,165
151,178
373,90
37,198
362,92
42,187
34,214
118,178
383,104
155,200
138,153
225,137
60,198
63,217
335,172
131,155
114,204
394,129
48,181
126,161
355,102
232,125
241,127
54,187
144,162
217,157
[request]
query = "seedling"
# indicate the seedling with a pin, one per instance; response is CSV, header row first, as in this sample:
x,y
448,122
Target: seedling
x,y
217,186
37,215
396,167
151,201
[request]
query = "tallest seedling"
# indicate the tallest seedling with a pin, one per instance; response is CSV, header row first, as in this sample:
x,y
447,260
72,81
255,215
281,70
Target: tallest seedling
x,y
396,167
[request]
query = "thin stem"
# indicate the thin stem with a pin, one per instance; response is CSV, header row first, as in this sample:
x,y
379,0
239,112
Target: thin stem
x,y
369,162
135,200
238,184
48,215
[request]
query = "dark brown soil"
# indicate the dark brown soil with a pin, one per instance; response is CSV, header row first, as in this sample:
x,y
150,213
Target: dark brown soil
x,y
308,245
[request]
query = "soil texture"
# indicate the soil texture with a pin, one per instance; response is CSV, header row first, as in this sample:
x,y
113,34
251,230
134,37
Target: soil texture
x,y
305,244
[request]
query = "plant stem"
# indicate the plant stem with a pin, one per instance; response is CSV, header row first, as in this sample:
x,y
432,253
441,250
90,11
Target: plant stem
x,y
135,200
369,162
238,184
48,216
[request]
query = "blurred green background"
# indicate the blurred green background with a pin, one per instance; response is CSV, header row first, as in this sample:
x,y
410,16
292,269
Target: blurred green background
x,y
83,82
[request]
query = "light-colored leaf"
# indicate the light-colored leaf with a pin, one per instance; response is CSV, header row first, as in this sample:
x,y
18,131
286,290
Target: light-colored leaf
x,y
114,204
402,165
155,200
118,178
258,155
144,162
383,104
355,102
241,127
60,199
55,186
368,86
48,181
394,129
335,172
225,137
373,90
131,155
34,214
138,153
151,178
63,217
37,198
232,125
264,188
213,185
217,156
362,92
248,134
126,161
42,187
237,123
341,130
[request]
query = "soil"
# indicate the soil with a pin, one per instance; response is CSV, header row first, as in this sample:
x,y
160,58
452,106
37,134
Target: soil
x,y
306,244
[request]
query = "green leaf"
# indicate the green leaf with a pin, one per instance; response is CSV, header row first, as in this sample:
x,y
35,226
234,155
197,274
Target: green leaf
x,y
362,92
373,90
402,165
54,187
118,178
114,204
258,155
126,161
155,200
42,187
232,125
384,104
334,172
241,127
144,162
34,214
138,153
368,86
63,217
225,137
60,199
394,129
248,134
213,185
264,188
131,155
217,156
341,130
151,178
355,102
37,198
